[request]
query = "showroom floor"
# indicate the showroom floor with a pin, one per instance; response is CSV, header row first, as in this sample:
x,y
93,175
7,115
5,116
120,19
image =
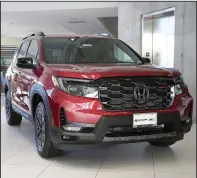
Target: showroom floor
x,y
19,158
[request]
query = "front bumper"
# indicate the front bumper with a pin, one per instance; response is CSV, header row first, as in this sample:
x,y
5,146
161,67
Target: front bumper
x,y
99,135
90,111
82,111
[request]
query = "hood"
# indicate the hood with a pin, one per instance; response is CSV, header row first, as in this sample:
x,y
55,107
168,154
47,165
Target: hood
x,y
95,71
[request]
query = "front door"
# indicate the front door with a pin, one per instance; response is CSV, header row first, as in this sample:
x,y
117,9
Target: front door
x,y
30,75
17,79
158,37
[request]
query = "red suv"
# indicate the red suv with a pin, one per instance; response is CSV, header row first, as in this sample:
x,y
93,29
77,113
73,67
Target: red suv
x,y
83,90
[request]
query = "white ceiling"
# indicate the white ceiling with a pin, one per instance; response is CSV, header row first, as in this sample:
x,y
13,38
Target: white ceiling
x,y
20,23
41,6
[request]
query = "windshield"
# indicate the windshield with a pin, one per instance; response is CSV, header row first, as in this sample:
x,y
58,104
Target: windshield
x,y
88,50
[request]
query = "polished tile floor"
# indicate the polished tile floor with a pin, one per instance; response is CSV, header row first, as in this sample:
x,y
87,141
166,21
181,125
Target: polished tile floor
x,y
19,158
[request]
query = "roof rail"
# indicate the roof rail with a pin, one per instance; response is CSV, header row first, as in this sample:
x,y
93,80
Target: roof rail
x,y
35,34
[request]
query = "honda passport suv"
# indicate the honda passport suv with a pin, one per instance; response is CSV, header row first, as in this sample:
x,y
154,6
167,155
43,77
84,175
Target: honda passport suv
x,y
81,91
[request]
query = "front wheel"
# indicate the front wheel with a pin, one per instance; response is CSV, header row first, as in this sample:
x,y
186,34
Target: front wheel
x,y
44,144
162,143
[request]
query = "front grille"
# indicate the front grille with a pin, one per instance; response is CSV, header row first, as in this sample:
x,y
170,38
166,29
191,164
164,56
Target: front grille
x,y
134,93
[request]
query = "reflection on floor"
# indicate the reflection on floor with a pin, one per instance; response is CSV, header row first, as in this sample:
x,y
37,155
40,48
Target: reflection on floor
x,y
19,158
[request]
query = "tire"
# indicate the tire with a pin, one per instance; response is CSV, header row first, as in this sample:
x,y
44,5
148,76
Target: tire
x,y
162,143
12,117
44,144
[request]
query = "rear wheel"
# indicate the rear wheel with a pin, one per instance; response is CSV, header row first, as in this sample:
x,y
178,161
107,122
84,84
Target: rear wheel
x,y
44,144
162,143
12,117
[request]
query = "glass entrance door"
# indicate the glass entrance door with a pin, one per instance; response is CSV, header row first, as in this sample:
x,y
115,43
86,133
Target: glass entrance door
x,y
158,37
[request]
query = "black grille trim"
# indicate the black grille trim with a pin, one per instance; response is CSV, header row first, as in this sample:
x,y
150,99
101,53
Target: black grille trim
x,y
62,117
117,94
130,131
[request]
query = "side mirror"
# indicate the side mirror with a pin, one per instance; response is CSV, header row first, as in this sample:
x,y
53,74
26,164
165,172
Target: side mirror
x,y
25,62
146,60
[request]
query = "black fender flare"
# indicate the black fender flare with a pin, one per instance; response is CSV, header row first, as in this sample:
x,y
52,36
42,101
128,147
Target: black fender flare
x,y
40,90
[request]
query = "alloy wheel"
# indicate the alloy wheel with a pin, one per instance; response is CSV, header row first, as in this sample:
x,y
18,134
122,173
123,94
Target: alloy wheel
x,y
40,129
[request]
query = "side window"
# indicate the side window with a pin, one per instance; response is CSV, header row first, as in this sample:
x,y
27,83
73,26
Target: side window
x,y
33,51
23,49
121,55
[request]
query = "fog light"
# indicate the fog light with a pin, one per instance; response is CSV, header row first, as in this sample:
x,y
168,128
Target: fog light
x,y
73,129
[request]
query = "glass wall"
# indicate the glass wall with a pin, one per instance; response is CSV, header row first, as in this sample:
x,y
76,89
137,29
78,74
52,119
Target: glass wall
x,y
7,53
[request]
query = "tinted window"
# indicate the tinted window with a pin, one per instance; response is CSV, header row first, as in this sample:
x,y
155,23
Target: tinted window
x,y
89,50
23,49
33,51
57,50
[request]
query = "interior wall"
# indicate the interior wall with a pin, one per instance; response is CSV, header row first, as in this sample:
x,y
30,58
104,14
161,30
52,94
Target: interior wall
x,y
129,30
111,24
10,41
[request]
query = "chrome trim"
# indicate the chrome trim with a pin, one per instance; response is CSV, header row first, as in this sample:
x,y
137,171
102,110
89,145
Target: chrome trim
x,y
77,124
75,79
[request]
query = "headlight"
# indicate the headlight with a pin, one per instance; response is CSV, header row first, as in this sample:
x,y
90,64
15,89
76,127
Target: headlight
x,y
177,89
75,89
179,85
